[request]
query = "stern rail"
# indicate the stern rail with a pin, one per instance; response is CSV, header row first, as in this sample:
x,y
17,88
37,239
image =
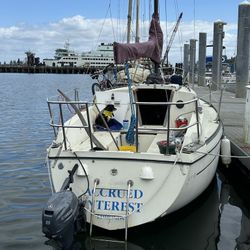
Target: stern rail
x,y
83,105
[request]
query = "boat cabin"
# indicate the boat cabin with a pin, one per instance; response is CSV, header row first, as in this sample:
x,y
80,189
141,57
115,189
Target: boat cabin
x,y
157,109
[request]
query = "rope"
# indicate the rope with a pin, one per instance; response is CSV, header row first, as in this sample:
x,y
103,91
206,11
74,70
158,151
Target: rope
x,y
130,138
86,174
231,156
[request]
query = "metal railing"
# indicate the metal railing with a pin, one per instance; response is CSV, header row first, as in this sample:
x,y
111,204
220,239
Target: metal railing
x,y
137,129
168,128
85,124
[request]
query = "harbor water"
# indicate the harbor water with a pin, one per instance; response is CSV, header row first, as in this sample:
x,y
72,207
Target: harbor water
x,y
218,219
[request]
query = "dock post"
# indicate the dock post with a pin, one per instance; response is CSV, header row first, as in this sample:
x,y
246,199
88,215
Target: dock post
x,y
202,58
217,54
242,59
186,61
246,128
192,61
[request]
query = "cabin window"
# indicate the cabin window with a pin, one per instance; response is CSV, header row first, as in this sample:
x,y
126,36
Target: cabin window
x,y
152,114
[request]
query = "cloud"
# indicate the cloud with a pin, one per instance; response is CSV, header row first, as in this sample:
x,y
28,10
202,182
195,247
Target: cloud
x,y
85,34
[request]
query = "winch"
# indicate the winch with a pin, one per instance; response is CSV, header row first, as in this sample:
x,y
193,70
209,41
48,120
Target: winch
x,y
181,121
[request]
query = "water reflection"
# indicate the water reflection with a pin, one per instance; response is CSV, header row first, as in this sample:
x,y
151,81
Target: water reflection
x,y
234,230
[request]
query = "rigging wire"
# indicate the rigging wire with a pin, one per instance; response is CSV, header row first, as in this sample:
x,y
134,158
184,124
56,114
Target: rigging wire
x,y
108,10
112,24
167,31
118,20
150,10
166,20
121,24
132,20
130,136
179,31
143,19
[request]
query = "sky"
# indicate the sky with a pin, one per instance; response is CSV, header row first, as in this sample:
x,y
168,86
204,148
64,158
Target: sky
x,y
43,26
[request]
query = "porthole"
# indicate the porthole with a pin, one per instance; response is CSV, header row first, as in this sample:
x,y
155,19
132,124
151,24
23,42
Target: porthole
x,y
180,104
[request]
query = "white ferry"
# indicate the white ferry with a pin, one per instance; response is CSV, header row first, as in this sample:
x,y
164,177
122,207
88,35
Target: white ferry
x,y
100,57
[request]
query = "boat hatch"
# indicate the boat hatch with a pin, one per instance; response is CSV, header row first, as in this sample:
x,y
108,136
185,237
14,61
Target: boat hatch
x,y
152,114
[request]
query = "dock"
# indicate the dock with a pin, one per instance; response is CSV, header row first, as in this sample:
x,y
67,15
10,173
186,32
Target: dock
x,y
232,112
41,69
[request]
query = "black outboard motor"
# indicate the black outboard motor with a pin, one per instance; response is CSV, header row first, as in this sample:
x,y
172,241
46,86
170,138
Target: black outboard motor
x,y
64,215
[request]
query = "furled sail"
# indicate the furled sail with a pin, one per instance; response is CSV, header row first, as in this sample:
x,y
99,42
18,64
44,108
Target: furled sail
x,y
151,49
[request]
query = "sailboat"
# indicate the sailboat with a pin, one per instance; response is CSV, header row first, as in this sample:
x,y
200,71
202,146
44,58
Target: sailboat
x,y
135,153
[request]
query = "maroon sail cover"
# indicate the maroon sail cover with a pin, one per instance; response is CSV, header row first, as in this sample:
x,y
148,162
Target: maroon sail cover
x,y
151,49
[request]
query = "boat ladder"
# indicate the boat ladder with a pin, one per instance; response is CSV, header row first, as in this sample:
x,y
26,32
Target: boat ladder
x,y
92,213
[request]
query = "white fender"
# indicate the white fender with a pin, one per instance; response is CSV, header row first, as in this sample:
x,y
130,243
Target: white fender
x,y
225,151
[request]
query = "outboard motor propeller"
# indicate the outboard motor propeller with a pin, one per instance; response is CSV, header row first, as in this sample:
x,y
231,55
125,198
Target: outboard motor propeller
x,y
63,215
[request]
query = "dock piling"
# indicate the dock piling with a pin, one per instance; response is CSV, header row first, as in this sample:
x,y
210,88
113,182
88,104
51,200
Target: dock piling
x,y
192,61
217,54
202,58
186,61
243,44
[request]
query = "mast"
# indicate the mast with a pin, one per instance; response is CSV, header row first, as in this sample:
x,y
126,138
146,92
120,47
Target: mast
x,y
156,7
156,13
129,20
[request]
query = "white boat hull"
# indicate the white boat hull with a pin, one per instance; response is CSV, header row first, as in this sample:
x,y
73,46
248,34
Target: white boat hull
x,y
167,188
